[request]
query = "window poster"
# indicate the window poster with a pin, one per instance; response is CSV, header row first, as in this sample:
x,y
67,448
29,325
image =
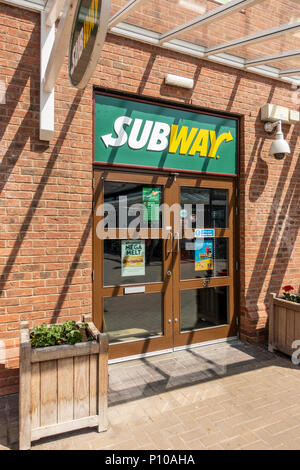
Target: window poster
x,y
133,257
203,255
151,200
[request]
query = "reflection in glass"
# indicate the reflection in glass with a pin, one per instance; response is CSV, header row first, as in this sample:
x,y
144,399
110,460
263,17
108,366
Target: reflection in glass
x,y
203,308
123,196
149,268
133,317
211,254
208,207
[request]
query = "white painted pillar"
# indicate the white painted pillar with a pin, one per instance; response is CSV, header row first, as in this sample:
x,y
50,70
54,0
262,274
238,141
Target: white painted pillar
x,y
46,98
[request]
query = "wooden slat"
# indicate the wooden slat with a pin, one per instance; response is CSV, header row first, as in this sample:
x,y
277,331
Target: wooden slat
x,y
287,304
103,383
25,384
284,349
81,387
62,352
65,390
35,396
93,383
53,429
281,326
48,393
290,328
297,326
271,322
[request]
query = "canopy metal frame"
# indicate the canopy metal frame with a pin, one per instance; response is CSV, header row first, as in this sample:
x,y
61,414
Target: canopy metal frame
x,y
171,39
55,40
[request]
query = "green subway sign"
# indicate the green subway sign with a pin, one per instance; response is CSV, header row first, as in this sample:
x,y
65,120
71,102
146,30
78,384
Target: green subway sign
x,y
143,134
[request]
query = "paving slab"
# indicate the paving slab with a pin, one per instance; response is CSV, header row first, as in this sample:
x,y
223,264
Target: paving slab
x,y
229,395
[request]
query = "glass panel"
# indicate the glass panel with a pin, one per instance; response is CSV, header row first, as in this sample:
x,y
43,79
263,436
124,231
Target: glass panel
x,y
286,64
116,5
133,202
161,16
204,207
203,258
132,261
219,212
133,317
164,15
244,23
284,43
203,308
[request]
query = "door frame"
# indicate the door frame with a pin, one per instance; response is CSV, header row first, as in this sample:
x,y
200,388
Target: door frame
x,y
219,331
172,338
165,286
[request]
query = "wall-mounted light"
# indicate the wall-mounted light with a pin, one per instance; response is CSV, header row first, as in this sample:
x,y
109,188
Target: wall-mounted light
x,y
279,146
176,80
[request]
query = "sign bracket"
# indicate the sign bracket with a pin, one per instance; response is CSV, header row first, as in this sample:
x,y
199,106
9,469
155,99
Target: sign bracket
x,y
53,51
85,47
46,98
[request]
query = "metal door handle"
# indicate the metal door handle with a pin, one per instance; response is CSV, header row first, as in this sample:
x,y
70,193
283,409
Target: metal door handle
x,y
176,237
169,237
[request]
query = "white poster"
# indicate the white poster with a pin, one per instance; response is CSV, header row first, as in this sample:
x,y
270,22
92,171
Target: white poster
x,y
133,257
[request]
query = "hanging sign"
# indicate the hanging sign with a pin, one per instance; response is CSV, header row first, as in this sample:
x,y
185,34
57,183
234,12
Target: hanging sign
x,y
87,39
142,134
133,257
151,200
203,255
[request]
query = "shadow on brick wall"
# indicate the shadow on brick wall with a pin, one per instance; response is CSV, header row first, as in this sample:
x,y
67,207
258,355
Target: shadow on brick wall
x,y
29,129
281,228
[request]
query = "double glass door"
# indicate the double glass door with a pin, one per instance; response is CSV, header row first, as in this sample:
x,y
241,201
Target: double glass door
x,y
163,260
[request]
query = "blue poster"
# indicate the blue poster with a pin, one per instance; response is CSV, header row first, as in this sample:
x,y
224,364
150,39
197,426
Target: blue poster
x,y
203,255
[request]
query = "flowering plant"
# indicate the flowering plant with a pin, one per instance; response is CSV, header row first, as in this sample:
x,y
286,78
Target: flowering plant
x,y
290,297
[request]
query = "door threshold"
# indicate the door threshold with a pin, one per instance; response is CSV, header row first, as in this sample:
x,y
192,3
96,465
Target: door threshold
x,y
170,350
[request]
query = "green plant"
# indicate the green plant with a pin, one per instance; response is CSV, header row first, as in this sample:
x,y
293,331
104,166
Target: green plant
x,y
290,297
66,333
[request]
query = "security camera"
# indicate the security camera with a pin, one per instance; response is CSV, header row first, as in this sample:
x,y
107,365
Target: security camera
x,y
279,146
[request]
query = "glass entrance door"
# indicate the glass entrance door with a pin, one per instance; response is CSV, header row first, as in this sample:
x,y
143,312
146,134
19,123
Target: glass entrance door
x,y
132,299
159,280
203,273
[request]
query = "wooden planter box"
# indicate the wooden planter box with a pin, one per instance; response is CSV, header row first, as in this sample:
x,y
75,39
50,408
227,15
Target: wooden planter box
x,y
284,324
62,388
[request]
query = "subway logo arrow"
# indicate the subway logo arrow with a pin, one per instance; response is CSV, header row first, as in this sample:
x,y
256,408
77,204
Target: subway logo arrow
x,y
158,136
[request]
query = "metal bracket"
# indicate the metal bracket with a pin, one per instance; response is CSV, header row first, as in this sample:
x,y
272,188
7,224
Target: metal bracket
x,y
174,176
271,126
53,51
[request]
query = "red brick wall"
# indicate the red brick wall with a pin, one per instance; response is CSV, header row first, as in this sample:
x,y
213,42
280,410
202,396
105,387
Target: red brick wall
x,y
46,190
